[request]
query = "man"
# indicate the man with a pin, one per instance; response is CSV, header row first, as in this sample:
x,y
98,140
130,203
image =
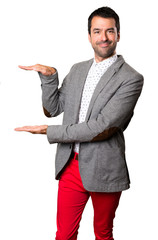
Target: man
x,y
98,98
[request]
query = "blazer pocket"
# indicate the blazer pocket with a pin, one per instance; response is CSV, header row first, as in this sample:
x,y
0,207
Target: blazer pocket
x,y
112,165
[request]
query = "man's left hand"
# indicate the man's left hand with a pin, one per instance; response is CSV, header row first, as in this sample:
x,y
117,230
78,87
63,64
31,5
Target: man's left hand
x,y
42,129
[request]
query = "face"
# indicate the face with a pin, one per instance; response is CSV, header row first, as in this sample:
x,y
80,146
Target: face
x,y
103,37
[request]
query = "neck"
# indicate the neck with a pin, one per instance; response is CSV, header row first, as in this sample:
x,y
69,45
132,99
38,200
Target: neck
x,y
100,59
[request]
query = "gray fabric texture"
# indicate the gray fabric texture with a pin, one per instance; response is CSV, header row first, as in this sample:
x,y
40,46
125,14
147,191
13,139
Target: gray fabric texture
x,y
102,161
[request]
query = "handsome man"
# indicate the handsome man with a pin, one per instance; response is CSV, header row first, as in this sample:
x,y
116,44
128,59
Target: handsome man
x,y
98,98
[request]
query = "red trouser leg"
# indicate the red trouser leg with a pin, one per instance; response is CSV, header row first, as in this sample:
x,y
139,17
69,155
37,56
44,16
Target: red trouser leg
x,y
105,205
72,198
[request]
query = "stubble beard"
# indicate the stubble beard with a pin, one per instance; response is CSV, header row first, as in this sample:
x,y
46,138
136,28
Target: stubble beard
x,y
104,52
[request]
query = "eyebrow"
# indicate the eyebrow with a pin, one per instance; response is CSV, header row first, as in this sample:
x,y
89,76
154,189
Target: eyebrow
x,y
96,29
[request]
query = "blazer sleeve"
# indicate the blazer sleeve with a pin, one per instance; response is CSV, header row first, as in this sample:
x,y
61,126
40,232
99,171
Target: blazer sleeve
x,y
114,116
53,97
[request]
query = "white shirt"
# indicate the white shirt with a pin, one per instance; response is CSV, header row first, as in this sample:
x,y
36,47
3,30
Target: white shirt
x,y
95,73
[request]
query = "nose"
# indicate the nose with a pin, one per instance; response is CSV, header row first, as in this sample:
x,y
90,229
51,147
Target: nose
x,y
104,36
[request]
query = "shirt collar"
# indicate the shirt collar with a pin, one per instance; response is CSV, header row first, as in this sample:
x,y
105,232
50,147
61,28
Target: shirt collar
x,y
107,62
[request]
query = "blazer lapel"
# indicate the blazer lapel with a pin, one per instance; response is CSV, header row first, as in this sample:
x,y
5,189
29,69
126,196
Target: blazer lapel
x,y
82,75
103,81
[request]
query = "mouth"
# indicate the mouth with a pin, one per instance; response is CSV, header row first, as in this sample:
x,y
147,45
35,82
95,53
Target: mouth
x,y
104,44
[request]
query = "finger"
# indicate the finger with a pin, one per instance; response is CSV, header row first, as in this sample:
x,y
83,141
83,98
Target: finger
x,y
25,128
26,67
36,67
33,129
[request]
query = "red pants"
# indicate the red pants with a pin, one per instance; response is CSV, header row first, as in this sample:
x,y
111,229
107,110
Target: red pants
x,y
72,198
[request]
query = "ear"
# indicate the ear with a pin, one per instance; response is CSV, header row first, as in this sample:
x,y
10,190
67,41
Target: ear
x,y
89,37
118,37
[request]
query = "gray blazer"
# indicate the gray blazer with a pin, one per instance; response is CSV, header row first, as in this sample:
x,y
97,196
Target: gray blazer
x,y
102,161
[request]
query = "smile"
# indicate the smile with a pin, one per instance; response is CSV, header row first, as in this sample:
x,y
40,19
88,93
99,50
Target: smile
x,y
104,44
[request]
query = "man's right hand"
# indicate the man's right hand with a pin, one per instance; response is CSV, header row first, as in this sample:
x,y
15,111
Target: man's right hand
x,y
45,70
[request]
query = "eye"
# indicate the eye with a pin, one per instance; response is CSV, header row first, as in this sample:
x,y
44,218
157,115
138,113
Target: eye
x,y
96,32
111,31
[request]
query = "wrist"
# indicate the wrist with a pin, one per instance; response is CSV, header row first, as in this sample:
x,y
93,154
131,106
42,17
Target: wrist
x,y
45,129
53,71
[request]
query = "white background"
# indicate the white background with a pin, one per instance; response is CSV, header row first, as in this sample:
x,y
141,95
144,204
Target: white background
x,y
54,33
